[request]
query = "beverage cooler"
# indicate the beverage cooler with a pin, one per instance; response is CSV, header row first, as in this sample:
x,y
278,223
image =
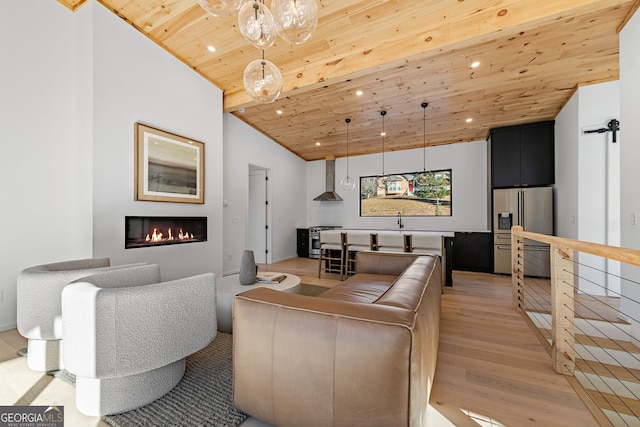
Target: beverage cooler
x,y
532,209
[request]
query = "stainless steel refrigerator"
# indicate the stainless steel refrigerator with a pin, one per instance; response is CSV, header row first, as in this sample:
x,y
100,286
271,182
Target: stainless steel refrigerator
x,y
532,209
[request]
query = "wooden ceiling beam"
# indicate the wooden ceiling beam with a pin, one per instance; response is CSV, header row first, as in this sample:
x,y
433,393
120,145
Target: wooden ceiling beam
x,y
72,5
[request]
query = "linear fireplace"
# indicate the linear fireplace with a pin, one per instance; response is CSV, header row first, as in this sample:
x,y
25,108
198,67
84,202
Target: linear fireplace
x,y
145,231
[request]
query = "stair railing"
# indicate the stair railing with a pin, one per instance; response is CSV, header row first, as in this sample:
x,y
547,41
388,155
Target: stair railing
x,y
564,317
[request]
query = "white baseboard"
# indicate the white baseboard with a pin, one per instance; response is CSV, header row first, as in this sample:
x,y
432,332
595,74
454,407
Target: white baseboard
x,y
8,326
229,273
284,259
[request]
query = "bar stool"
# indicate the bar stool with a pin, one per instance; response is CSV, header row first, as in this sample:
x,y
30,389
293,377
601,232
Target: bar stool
x,y
427,244
392,242
355,241
431,245
331,244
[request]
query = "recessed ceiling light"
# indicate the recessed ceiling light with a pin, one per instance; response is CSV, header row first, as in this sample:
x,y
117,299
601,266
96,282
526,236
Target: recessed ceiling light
x,y
278,111
241,110
475,64
469,120
317,144
211,48
359,92
383,133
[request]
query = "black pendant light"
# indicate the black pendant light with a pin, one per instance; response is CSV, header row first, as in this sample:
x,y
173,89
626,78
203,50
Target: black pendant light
x,y
422,178
347,183
382,179
424,106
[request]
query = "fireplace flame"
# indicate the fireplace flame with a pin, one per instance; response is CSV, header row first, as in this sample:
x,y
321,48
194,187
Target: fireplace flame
x,y
158,236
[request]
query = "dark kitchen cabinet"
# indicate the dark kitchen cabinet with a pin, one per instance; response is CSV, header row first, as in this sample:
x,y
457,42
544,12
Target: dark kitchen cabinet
x,y
448,250
522,155
473,252
302,242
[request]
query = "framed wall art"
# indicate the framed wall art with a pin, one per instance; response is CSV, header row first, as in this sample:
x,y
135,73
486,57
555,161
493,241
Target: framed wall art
x,y
168,167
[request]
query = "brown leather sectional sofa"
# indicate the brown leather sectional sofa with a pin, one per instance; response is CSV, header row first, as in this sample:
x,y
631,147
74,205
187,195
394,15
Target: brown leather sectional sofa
x,y
361,354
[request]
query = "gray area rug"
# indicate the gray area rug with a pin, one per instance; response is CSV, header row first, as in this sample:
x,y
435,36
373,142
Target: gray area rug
x,y
202,398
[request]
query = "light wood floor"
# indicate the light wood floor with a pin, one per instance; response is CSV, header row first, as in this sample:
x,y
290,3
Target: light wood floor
x,y
491,371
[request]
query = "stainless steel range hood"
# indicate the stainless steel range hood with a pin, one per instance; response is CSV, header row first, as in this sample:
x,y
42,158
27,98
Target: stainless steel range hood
x,y
330,194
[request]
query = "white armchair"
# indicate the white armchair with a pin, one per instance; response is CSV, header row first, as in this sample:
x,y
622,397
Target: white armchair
x,y
39,315
126,335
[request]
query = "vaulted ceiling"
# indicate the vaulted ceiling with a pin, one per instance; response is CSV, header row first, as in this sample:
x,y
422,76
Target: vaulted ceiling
x,y
533,55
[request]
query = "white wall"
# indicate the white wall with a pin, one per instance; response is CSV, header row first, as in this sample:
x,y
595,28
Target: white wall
x,y
598,164
588,181
468,162
244,146
567,131
599,186
73,85
46,209
629,155
134,80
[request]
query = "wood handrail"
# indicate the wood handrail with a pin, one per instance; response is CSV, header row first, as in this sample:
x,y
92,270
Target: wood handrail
x,y
562,252
629,256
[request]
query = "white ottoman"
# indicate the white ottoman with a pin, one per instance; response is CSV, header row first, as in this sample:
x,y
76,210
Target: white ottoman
x,y
229,286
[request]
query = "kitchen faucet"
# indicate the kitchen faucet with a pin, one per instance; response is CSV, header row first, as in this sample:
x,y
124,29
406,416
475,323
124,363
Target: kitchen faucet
x,y
400,225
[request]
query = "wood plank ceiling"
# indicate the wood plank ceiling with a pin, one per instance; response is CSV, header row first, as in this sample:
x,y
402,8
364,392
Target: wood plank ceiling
x,y
400,53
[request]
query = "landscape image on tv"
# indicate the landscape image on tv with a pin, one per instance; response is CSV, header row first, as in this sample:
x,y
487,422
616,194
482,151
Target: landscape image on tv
x,y
426,193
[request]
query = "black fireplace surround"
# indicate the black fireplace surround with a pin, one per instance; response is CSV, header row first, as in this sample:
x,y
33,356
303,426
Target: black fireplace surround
x,y
146,231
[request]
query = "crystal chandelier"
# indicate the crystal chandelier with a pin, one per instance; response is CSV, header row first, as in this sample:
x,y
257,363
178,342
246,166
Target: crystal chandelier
x,y
221,8
293,20
257,25
262,80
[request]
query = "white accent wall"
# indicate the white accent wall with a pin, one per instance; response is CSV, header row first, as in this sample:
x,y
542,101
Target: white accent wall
x,y
135,80
588,181
246,148
567,130
469,188
73,85
630,160
46,208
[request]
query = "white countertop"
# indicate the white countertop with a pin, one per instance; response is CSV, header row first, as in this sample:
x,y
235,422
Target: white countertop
x,y
402,231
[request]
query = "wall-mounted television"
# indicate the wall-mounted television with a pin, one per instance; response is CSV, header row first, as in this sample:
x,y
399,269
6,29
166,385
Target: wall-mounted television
x,y
426,193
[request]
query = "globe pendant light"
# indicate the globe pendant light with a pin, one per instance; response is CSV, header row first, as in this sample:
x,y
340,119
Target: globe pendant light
x,y
295,20
221,8
381,181
263,80
257,25
347,183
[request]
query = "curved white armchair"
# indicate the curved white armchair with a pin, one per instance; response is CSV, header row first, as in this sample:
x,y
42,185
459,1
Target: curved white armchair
x,y
126,335
39,315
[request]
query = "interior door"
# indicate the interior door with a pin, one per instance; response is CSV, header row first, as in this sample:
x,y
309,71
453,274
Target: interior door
x,y
258,214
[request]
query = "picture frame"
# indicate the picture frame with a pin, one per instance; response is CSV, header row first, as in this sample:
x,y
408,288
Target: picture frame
x,y
168,167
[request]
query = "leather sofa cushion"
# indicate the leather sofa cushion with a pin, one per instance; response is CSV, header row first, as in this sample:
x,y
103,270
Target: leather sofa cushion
x,y
408,290
362,353
364,288
403,291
